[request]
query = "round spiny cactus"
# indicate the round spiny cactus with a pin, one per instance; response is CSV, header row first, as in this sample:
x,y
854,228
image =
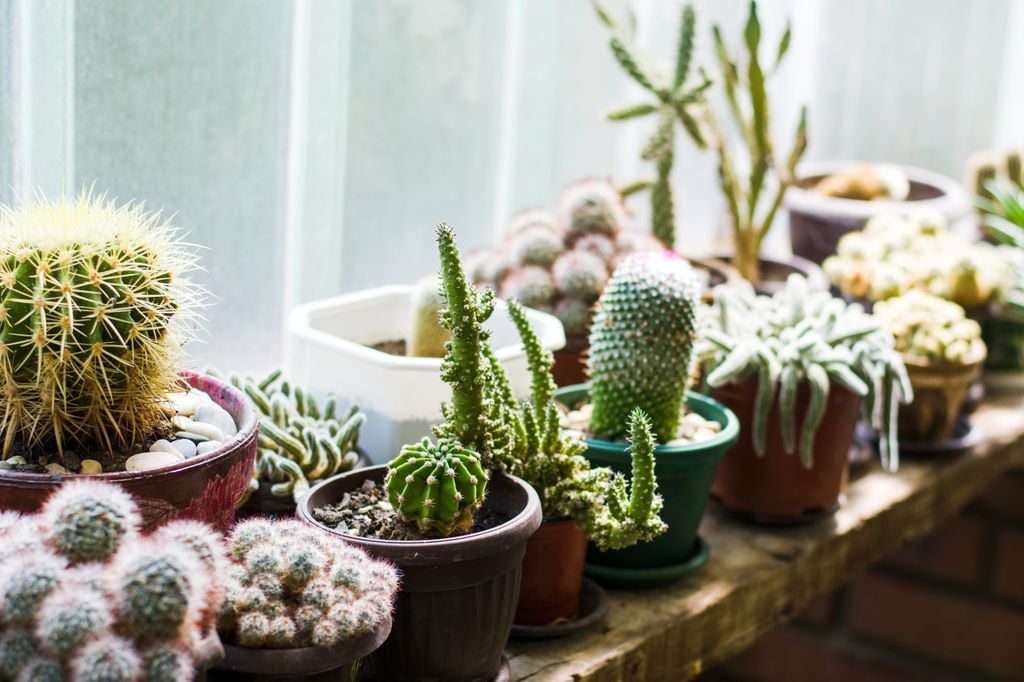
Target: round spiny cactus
x,y
574,316
107,659
24,585
591,207
92,300
17,648
530,285
87,521
600,245
42,669
438,486
641,344
208,548
531,218
248,534
536,245
69,617
158,590
166,664
580,275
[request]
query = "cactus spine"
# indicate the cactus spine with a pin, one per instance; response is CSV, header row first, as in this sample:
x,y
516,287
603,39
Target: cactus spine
x,y
641,344
92,301
426,337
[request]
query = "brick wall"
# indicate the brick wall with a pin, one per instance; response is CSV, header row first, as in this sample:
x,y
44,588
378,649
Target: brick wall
x,y
947,607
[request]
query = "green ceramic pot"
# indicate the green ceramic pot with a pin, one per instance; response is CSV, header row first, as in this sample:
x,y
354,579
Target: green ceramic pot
x,y
684,473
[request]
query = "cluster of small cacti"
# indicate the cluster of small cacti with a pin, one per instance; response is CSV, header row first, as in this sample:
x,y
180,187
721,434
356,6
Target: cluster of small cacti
x,y
560,262
93,309
299,441
291,586
987,167
866,182
84,596
752,204
931,328
641,344
807,337
894,254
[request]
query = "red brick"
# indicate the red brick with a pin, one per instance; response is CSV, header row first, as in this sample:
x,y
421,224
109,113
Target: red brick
x,y
951,553
1009,572
788,654
950,628
1005,499
822,611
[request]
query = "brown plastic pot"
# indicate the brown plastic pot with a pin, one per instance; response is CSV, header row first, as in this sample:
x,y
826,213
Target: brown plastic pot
x,y
939,394
817,222
552,574
774,274
571,362
459,594
207,488
776,487
310,664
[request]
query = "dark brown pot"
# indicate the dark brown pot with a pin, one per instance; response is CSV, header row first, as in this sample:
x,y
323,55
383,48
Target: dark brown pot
x,y
777,487
939,395
552,574
207,489
459,594
774,274
311,664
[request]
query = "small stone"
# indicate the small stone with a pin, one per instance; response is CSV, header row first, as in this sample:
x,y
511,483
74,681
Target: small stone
x,y
212,413
17,460
678,441
56,469
185,447
180,403
207,431
194,437
207,447
703,434
90,467
163,445
151,460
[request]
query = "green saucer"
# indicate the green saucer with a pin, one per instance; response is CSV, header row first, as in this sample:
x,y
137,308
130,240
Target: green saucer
x,y
643,578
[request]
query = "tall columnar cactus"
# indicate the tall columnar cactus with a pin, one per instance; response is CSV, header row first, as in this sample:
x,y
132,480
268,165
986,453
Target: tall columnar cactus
x,y
641,344
438,486
93,297
675,99
292,586
88,598
426,337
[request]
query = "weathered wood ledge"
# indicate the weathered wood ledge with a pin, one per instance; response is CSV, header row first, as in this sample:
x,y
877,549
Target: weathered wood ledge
x,y
760,577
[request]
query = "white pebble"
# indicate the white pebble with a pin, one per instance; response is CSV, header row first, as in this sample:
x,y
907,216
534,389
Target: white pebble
x,y
212,413
703,434
185,447
208,431
56,469
180,403
207,447
163,446
16,460
151,460
194,437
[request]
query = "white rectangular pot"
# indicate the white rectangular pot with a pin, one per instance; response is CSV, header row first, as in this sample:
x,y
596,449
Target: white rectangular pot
x,y
329,352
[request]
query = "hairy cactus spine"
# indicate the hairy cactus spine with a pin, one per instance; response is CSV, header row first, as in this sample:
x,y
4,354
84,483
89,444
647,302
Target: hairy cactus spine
x,y
641,344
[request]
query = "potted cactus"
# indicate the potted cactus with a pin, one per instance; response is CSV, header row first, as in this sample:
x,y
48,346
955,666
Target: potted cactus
x,y
456,531
300,604
579,502
641,346
943,353
85,596
95,305
797,367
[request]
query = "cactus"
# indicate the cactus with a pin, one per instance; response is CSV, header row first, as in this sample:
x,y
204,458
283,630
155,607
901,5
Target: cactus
x,y
69,617
1014,167
323,592
802,337
300,440
580,275
930,328
107,659
590,207
93,301
531,285
982,168
17,648
600,245
536,245
157,588
41,669
574,315
438,486
88,522
166,664
641,344
531,218
426,337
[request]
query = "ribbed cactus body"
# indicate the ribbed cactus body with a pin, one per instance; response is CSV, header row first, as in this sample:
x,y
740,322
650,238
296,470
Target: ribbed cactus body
x,y
641,344
90,293
157,592
438,486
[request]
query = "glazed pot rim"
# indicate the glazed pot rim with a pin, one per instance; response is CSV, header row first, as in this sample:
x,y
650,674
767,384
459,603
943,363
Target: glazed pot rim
x,y
514,530
726,437
246,431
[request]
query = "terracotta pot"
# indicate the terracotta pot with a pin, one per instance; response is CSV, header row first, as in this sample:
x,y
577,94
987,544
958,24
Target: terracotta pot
x,y
459,594
939,394
777,487
774,274
817,222
552,574
207,489
571,362
312,664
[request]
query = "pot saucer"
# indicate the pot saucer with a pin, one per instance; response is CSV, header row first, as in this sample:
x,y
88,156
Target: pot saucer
x,y
641,578
593,607
965,436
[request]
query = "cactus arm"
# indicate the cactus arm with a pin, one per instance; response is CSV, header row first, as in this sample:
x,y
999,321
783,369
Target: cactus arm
x,y
632,111
817,380
643,484
736,365
790,379
293,446
684,50
842,373
766,387
787,175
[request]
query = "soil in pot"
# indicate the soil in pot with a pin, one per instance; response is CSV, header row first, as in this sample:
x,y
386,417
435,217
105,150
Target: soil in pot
x,y
458,597
552,574
940,391
776,487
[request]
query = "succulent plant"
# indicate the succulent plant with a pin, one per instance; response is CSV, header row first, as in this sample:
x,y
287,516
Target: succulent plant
x,y
580,275
532,285
982,168
438,486
641,344
575,316
589,207
930,328
292,586
299,440
531,218
89,597
426,337
802,337
536,245
93,303
601,245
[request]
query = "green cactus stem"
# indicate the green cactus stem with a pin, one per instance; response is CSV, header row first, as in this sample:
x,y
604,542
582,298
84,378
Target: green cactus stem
x,y
88,522
641,344
426,337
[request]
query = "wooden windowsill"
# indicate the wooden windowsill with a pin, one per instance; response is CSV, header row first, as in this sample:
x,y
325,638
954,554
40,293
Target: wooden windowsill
x,y
760,577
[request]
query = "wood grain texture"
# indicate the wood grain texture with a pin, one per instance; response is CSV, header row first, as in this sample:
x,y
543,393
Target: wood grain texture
x,y
760,577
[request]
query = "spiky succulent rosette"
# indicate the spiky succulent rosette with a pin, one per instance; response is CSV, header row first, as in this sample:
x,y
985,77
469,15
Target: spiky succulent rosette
x,y
94,306
641,344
